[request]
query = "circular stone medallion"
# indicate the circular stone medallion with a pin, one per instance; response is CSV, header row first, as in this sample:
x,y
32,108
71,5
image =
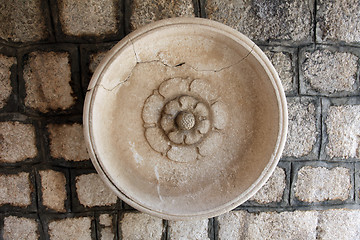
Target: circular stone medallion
x,y
185,118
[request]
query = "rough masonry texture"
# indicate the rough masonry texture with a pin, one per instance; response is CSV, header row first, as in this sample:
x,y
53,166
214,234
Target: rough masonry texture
x,y
49,189
189,229
338,21
92,191
17,143
315,184
268,225
273,189
140,226
89,18
47,77
144,12
263,20
323,65
283,64
20,228
70,228
23,21
15,189
53,189
67,141
5,81
302,130
343,131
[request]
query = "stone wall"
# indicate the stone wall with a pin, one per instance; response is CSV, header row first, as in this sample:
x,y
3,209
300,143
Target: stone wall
x,y
49,188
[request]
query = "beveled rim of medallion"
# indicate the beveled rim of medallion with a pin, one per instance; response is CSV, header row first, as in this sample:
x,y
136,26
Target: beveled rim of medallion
x,y
257,54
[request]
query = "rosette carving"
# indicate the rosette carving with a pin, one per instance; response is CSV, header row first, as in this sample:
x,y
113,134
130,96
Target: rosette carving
x,y
183,119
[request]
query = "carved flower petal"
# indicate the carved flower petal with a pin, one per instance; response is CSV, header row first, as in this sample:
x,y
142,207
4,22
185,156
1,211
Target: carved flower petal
x,y
210,144
172,108
182,153
167,123
203,126
152,108
203,89
157,140
220,115
201,110
192,137
172,87
177,136
187,102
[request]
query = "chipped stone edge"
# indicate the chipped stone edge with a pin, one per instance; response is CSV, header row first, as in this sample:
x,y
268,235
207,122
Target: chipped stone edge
x,y
256,51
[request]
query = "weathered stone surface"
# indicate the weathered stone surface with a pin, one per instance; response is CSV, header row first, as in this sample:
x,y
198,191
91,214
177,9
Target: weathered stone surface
x,y
20,228
135,226
70,228
147,11
302,131
343,131
268,225
316,184
197,230
47,78
106,230
273,189
338,21
283,64
339,224
15,189
328,72
67,141
92,191
5,81
17,142
95,59
265,20
53,189
92,17
22,21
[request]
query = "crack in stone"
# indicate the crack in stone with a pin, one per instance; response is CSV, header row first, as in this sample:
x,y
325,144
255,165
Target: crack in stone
x,y
138,62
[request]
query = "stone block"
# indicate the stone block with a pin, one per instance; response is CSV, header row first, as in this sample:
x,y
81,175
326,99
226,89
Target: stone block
x,y
106,227
285,66
303,130
23,21
16,189
338,21
92,191
89,18
268,225
197,230
265,20
20,228
144,12
5,78
67,142
273,190
135,226
18,142
95,59
339,224
328,72
316,184
342,128
53,188
47,77
70,228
